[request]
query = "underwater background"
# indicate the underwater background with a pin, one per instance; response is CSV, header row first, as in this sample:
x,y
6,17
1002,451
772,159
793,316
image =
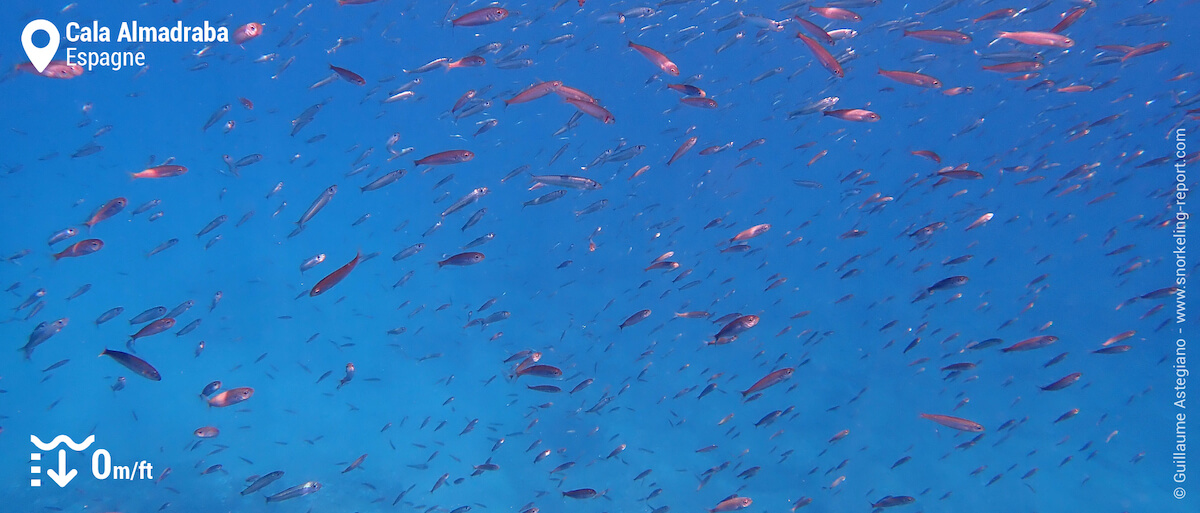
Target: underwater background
x,y
1064,229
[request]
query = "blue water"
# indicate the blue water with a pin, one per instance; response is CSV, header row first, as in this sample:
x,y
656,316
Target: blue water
x,y
851,374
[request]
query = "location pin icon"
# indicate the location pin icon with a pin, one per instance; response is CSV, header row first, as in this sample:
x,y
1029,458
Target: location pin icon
x,y
40,57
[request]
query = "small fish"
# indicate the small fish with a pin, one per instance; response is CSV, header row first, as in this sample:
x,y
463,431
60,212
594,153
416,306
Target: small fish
x,y
657,58
349,76
545,198
637,317
311,262
484,16
109,209
216,116
335,277
954,422
134,364
166,171
230,397
41,334
462,259
81,248
262,482
109,315
769,380
210,388
61,235
295,491
446,158
1064,382
162,247
317,204
384,180
212,225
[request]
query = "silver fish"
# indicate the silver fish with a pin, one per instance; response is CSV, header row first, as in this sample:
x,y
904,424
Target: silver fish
x,y
317,205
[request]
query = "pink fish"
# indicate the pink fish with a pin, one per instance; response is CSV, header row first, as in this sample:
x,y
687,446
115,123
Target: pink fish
x,y
769,380
81,248
1039,39
593,109
657,58
446,157
480,17
954,422
246,32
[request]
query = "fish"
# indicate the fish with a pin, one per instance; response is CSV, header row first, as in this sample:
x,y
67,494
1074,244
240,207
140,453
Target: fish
x,y
212,225
317,204
245,33
262,482
106,211
735,327
148,315
153,328
216,117
951,37
81,248
444,158
1063,382
534,92
409,251
545,198
891,501
469,198
912,78
637,317
771,379
299,490
657,58
591,108
160,172
567,181
335,277
822,55
41,334
109,315
954,422
1029,344
683,148
478,17
230,397
1051,39
349,76
732,504
462,259
133,363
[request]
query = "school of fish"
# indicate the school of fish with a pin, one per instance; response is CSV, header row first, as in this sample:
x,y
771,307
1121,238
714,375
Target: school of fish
x,y
739,256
